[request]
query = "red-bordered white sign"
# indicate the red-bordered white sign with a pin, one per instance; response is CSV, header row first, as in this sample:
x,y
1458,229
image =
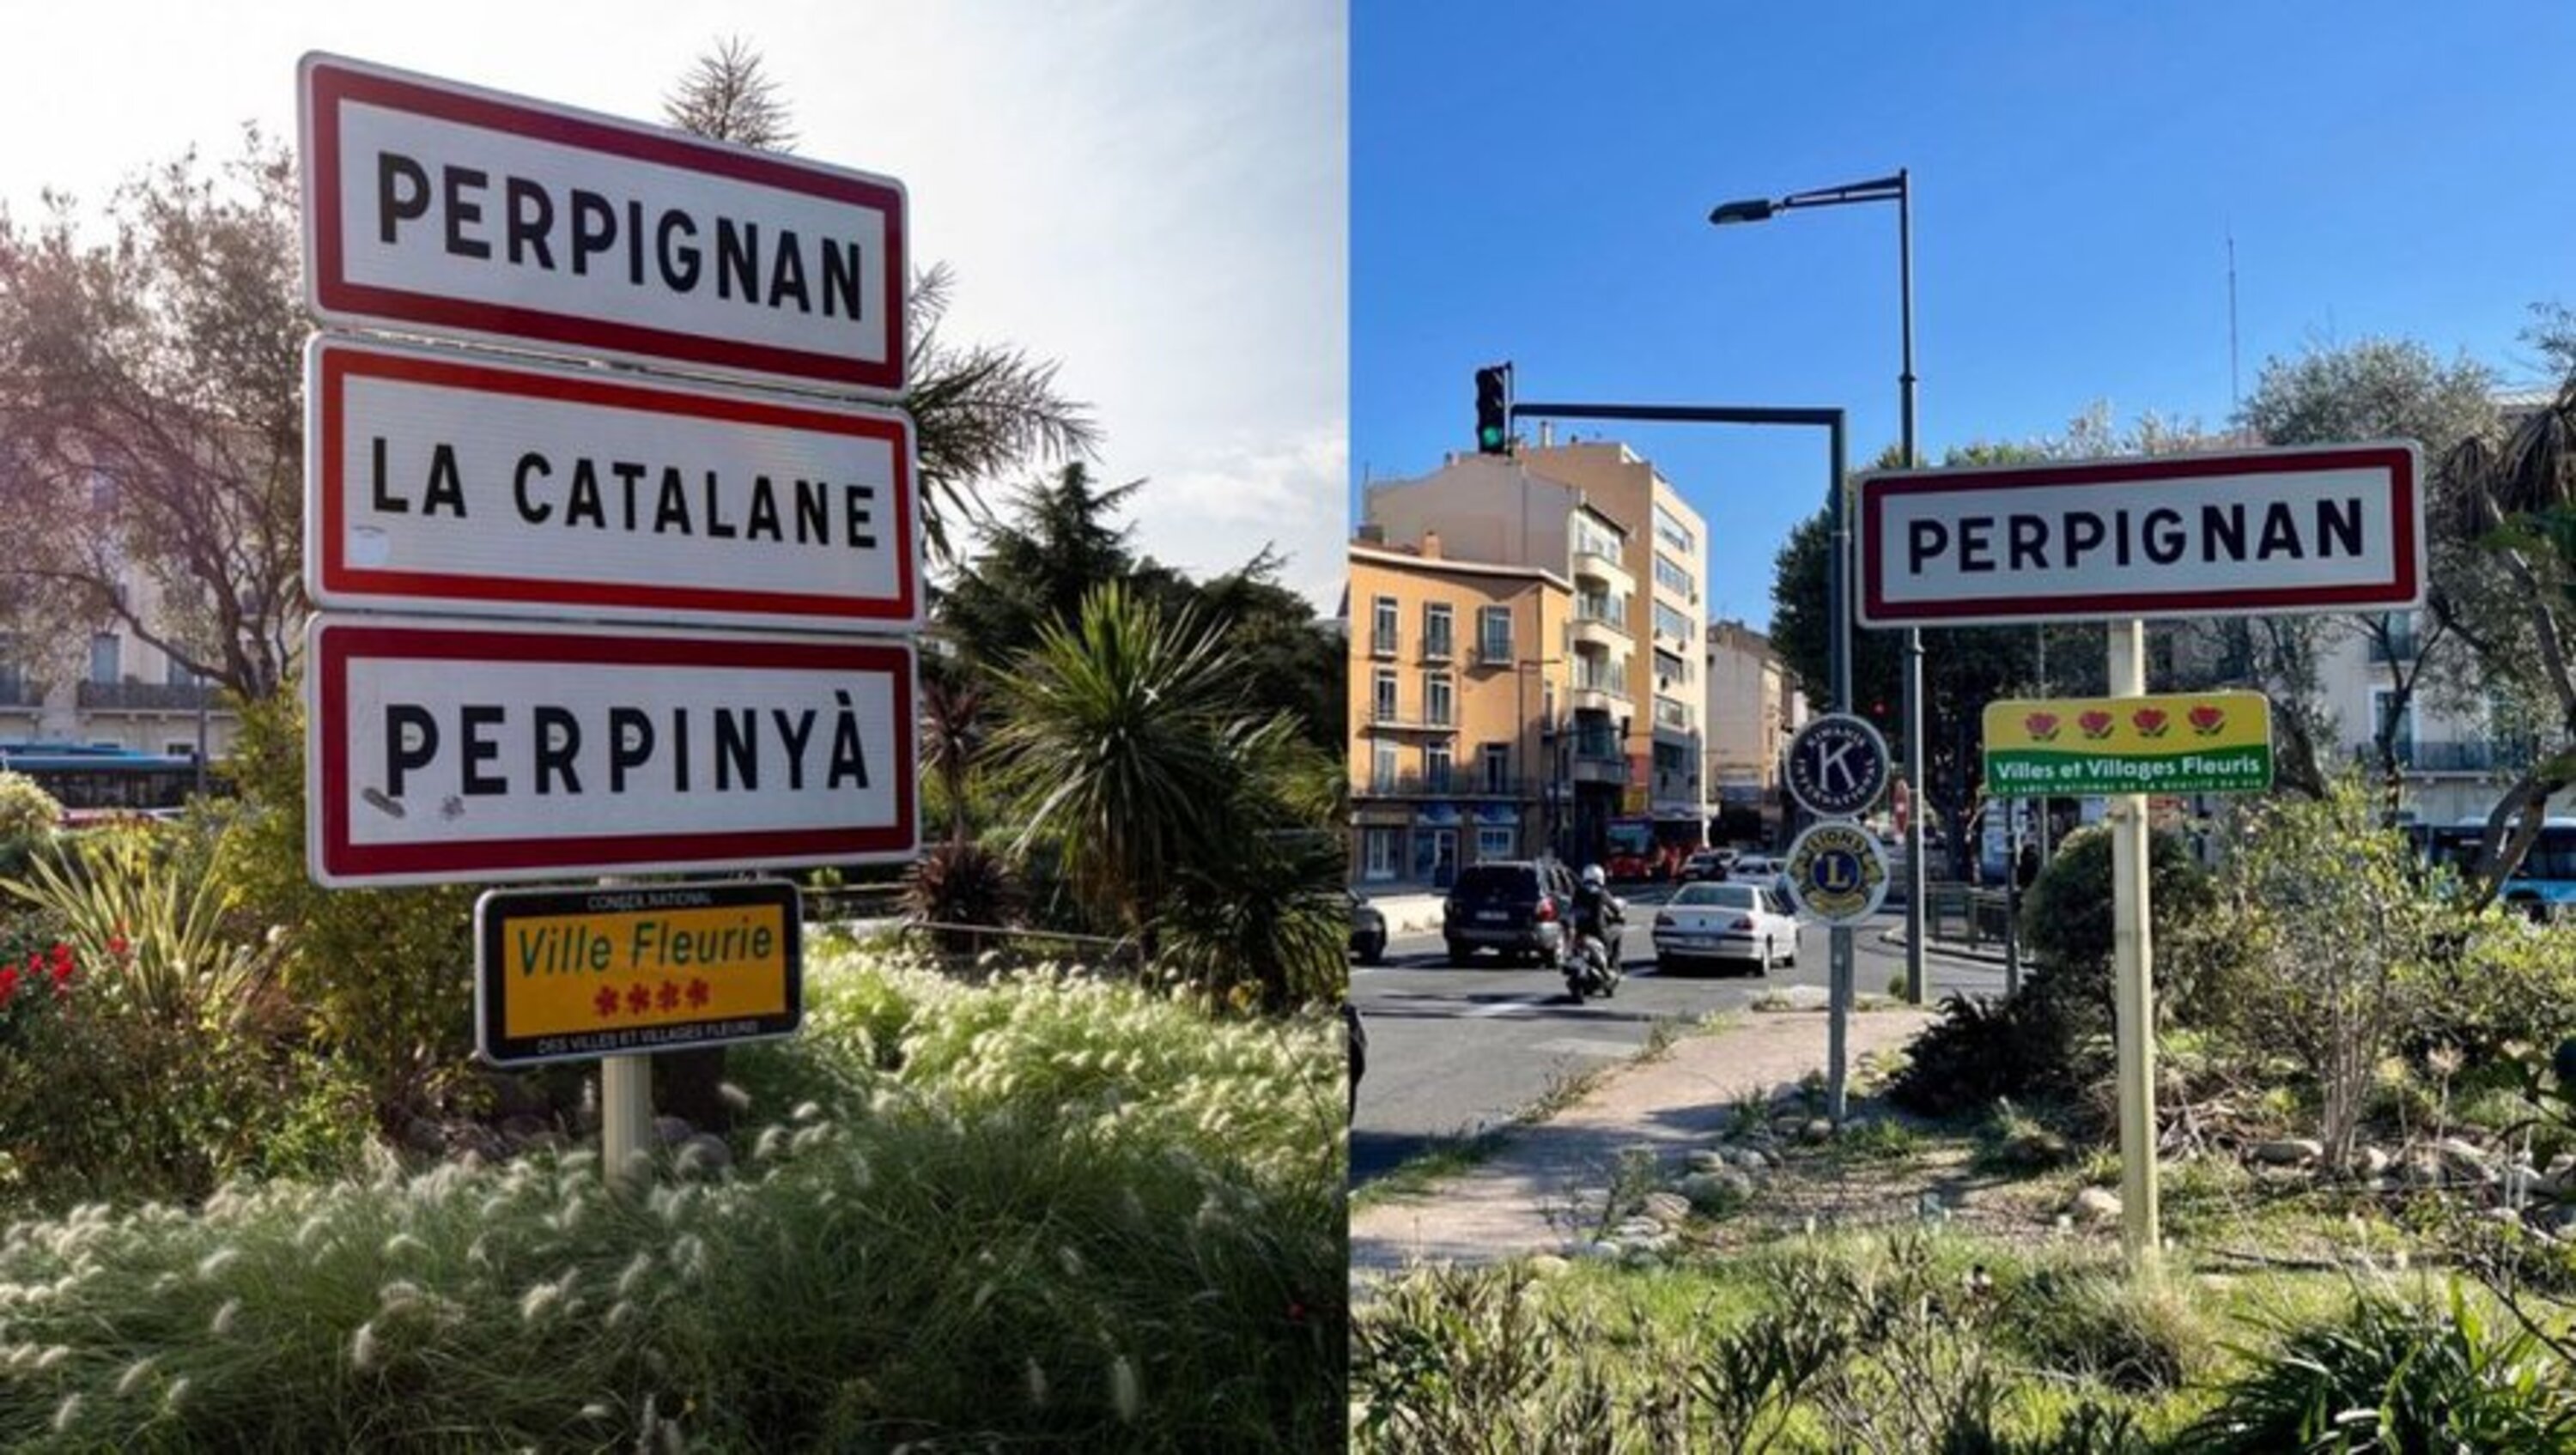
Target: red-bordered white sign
x,y
447,752
2255,532
436,207
452,481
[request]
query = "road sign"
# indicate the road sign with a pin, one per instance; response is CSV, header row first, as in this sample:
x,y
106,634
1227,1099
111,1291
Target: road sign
x,y
451,481
1837,765
2201,742
436,207
2267,532
443,752
1837,872
572,974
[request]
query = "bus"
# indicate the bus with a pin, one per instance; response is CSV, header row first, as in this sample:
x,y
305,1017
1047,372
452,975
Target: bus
x,y
96,783
2544,883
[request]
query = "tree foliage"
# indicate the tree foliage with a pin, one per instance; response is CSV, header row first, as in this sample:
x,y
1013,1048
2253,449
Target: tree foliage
x,y
150,419
729,97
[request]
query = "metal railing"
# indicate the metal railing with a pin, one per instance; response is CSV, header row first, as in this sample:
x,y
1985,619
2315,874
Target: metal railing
x,y
146,696
1454,785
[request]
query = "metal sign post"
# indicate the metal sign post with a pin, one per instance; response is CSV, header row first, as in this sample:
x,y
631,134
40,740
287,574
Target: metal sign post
x,y
2132,962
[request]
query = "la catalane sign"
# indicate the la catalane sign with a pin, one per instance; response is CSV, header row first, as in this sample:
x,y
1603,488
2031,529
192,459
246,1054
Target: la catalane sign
x,y
2339,528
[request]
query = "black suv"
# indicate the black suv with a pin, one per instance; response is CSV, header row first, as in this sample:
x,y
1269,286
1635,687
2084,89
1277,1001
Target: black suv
x,y
1518,907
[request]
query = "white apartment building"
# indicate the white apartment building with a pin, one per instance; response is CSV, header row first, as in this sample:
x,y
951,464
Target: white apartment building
x,y
1752,708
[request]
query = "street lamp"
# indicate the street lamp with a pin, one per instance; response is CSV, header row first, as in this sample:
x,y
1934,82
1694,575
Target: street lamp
x,y
1896,189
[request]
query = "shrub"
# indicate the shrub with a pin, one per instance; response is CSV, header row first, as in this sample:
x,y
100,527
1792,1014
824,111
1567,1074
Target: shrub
x,y
2066,923
2498,980
2026,1048
386,974
962,883
903,1277
2135,1337
2395,1373
28,815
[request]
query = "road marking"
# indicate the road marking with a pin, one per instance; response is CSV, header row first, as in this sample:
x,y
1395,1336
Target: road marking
x,y
1506,1007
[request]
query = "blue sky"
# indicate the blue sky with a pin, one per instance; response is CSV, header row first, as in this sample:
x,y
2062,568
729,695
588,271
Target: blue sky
x,y
1531,182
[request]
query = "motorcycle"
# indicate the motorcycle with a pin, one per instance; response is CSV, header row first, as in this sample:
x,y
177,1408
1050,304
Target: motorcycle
x,y
1591,962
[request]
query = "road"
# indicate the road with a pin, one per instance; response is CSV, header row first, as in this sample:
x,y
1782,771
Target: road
x,y
1454,1051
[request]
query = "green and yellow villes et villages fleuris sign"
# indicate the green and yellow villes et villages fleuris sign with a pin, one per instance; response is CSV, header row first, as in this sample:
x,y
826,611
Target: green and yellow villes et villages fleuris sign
x,y
2196,742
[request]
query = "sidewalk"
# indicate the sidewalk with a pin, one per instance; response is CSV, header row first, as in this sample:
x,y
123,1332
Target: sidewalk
x,y
1529,1195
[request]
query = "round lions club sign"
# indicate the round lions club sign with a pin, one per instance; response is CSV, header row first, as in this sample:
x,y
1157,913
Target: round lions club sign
x,y
1837,873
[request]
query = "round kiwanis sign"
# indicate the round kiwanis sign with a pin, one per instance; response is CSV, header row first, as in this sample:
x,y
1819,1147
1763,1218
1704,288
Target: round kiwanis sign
x,y
1837,765
1837,873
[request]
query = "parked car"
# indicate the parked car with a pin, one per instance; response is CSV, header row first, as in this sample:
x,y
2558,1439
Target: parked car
x,y
1515,907
1368,930
1708,864
1733,921
1762,869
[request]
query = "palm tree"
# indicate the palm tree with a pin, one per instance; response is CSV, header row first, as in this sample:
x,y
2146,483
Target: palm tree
x,y
976,410
1117,744
952,734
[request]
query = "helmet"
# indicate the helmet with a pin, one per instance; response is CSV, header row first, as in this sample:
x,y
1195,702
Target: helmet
x,y
1593,878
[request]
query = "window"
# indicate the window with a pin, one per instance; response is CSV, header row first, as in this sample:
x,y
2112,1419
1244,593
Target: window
x,y
1435,855
1382,767
1498,768
1675,578
1592,538
105,658
1492,842
1435,630
179,750
1673,759
176,673
1672,671
1671,623
1602,607
1671,532
1672,714
1384,705
1436,698
1382,633
1494,634
1378,853
1435,767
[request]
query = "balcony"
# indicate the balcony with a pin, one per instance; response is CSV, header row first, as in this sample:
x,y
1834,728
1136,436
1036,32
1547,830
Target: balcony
x,y
16,691
1438,647
1384,643
2453,757
1454,785
1599,632
1397,720
1583,768
1495,654
146,697
1603,572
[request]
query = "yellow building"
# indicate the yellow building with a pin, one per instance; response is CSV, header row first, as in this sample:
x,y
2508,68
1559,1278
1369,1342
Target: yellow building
x,y
1753,707
1454,682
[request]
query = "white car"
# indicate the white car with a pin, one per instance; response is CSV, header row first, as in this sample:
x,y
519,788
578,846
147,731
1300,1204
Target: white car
x,y
1764,870
1732,920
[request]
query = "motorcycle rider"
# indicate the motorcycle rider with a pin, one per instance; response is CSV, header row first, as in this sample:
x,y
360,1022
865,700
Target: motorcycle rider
x,y
1597,915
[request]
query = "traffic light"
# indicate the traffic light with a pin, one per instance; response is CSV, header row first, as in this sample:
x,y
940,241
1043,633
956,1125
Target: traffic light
x,y
1493,410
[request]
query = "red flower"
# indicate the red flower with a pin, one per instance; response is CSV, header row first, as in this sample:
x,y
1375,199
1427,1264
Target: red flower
x,y
2206,720
2095,724
2150,721
639,1000
1296,1312
62,958
606,1001
2042,725
697,993
8,984
117,945
670,996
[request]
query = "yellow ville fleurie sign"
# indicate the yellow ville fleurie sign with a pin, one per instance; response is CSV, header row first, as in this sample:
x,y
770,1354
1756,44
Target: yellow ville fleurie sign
x,y
570,974
2192,742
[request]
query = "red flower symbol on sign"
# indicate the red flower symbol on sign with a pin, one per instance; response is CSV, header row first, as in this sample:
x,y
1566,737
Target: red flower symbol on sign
x,y
670,996
2042,726
697,994
640,999
606,1000
2206,720
2095,724
2150,721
